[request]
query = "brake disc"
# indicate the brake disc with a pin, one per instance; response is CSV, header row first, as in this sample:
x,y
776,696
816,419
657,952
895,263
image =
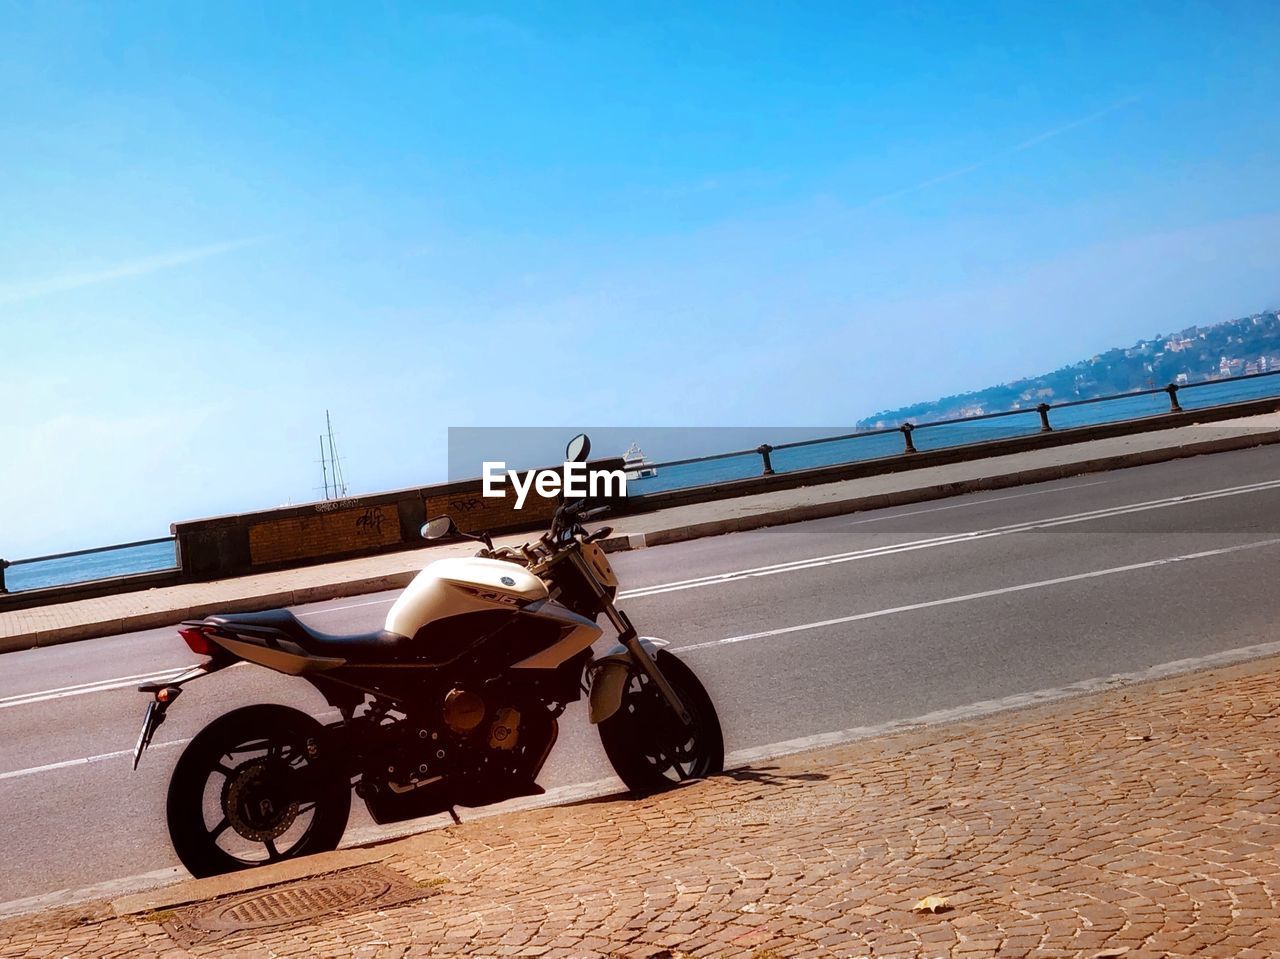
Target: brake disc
x,y
251,800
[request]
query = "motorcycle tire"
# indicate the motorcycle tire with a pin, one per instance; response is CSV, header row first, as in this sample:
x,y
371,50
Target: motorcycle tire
x,y
648,746
258,797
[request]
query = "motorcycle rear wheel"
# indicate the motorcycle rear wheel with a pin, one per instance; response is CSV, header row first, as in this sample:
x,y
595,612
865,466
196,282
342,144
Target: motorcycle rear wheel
x,y
265,778
648,746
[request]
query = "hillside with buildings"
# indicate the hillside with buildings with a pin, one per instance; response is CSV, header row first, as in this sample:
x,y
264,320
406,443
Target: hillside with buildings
x,y
1250,344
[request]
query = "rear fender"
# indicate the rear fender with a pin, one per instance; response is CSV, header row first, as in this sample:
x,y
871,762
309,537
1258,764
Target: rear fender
x,y
609,676
211,665
165,693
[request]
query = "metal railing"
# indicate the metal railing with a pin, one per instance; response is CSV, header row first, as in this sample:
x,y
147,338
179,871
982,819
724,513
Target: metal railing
x,y
6,564
765,451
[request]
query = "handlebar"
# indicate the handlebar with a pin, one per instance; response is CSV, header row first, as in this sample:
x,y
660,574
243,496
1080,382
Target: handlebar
x,y
570,516
508,553
577,509
565,524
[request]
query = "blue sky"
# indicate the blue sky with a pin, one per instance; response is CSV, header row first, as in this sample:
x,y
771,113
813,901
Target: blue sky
x,y
218,220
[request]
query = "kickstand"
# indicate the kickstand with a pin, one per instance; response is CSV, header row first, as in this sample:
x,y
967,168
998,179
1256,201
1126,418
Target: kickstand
x,y
454,813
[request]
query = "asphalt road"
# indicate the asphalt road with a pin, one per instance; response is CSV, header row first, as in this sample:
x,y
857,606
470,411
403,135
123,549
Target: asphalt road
x,y
798,631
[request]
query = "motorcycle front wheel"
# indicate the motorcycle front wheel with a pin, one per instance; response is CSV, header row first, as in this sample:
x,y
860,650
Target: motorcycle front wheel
x,y
256,785
648,745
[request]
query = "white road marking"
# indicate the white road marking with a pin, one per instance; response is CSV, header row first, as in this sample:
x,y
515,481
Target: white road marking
x,y
84,761
971,503
948,540
118,753
120,682
803,627
788,567
101,686
984,594
872,519
734,760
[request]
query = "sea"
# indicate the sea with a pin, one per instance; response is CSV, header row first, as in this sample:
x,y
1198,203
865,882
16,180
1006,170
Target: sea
x,y
100,564
937,437
122,561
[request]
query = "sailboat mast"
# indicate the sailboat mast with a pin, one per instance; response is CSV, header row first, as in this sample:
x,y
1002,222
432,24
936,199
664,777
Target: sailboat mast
x,y
339,482
324,467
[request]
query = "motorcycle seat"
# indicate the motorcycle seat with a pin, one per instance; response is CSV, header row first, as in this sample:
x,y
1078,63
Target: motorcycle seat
x,y
376,646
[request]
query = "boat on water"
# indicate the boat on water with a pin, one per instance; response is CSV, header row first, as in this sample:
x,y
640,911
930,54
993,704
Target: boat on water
x,y
636,465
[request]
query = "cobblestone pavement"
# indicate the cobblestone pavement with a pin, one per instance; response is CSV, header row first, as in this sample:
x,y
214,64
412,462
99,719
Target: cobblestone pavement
x,y
1138,823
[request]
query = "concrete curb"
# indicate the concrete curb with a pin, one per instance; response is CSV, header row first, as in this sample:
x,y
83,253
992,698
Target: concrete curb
x,y
679,534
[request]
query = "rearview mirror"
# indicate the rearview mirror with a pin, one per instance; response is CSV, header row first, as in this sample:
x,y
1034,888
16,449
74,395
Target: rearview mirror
x,y
578,450
439,528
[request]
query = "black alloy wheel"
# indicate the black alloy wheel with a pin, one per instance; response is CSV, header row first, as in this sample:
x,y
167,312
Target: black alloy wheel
x,y
256,785
649,746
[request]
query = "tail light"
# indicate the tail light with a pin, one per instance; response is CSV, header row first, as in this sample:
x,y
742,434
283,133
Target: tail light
x,y
195,638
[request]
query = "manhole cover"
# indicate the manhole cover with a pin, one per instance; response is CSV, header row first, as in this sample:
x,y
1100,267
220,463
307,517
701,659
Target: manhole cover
x,y
354,890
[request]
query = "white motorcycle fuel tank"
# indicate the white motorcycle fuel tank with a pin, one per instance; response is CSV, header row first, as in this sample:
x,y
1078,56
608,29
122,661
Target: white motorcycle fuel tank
x,y
455,587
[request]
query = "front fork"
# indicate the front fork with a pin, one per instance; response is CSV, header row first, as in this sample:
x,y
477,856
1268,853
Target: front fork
x,y
629,638
640,656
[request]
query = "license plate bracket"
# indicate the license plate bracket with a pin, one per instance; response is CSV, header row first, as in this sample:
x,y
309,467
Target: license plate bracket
x,y
151,721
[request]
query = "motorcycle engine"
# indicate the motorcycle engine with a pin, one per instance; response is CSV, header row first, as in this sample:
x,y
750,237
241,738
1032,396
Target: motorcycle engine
x,y
465,712
477,752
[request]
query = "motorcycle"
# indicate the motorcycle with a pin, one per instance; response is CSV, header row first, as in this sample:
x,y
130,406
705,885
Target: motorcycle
x,y
454,702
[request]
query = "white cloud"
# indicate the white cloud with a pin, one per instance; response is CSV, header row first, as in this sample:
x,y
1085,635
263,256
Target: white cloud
x,y
19,292
1019,148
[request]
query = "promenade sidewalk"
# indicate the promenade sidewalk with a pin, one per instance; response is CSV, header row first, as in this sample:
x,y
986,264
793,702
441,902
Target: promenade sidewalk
x,y
1139,823
145,609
